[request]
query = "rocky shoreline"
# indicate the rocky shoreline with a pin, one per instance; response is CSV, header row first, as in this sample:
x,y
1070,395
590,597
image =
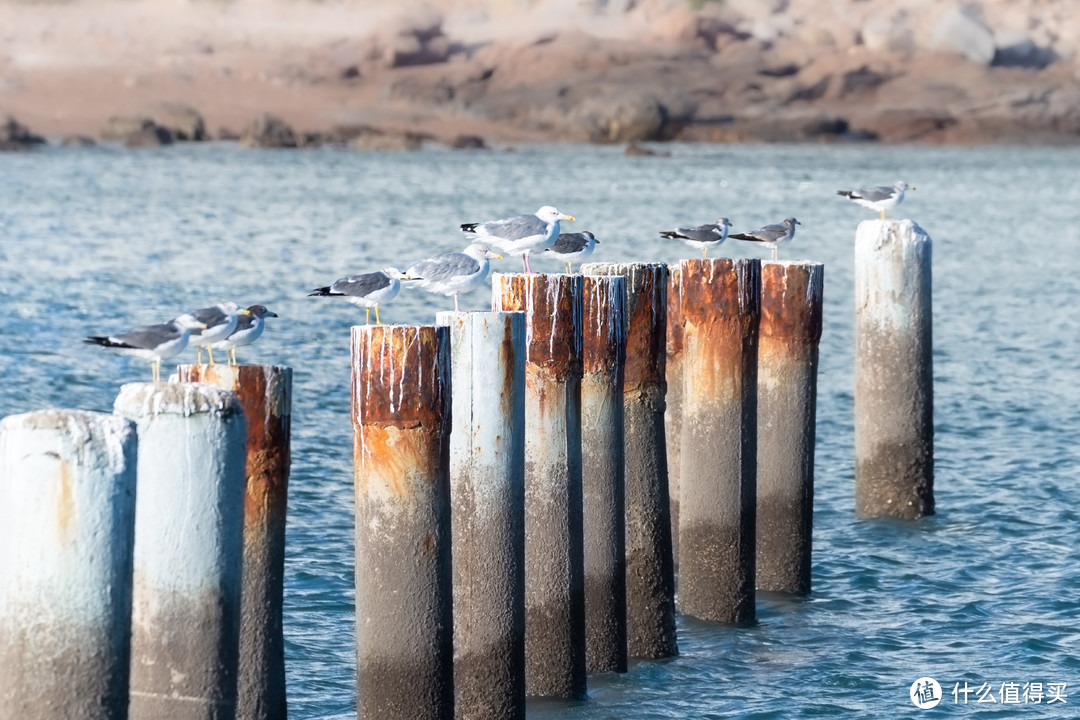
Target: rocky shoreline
x,y
739,71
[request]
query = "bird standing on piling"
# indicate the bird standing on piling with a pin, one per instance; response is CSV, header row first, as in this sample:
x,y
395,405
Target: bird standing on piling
x,y
520,234
248,329
454,272
366,291
880,197
573,246
772,236
153,342
218,322
701,237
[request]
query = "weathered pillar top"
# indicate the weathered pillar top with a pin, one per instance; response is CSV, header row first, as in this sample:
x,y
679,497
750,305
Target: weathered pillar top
x,y
143,400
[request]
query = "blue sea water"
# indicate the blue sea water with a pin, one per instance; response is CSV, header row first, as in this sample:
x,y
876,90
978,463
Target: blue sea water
x,y
982,595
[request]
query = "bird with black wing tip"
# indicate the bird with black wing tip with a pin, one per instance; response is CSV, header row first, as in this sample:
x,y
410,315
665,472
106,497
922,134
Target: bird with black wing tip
x,y
571,247
452,273
879,197
152,342
520,234
701,237
771,236
368,290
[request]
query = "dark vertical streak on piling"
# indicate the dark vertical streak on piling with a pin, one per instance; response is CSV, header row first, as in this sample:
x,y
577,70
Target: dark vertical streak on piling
x,y
673,376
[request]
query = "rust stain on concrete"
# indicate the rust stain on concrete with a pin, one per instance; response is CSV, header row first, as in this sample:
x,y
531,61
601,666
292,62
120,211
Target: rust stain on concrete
x,y
791,301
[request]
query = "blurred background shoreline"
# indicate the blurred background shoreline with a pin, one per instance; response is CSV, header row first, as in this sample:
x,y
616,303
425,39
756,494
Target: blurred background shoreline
x,y
383,74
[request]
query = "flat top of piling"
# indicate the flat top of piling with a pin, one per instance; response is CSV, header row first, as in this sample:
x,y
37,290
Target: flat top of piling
x,y
138,400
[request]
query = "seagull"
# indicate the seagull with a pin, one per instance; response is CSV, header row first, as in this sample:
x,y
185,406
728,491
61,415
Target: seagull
x,y
573,246
772,236
454,272
366,291
880,198
248,329
701,237
219,321
521,234
153,342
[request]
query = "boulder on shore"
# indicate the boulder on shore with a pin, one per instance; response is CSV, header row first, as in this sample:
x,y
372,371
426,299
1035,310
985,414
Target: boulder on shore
x,y
136,131
183,122
269,131
14,136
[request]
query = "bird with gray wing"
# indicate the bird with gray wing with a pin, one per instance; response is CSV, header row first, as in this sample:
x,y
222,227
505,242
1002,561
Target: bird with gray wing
x,y
701,237
454,272
218,321
520,234
772,236
879,198
152,342
573,246
248,329
367,291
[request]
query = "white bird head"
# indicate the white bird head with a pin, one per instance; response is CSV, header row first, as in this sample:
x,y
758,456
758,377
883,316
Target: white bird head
x,y
551,214
480,250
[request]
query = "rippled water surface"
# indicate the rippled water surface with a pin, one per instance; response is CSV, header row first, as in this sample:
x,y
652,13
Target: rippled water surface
x,y
986,591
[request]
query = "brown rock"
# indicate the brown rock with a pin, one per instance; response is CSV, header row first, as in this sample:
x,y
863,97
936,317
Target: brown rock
x,y
14,136
151,136
78,141
269,131
183,121
468,142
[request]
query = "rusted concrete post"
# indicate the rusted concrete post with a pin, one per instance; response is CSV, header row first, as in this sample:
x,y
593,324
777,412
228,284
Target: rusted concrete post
x,y
265,393
487,499
401,445
894,374
718,494
603,472
67,531
790,328
673,374
188,549
554,554
650,572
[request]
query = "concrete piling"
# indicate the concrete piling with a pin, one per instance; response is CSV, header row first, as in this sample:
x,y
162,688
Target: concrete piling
x,y
789,332
487,497
673,374
188,549
894,393
718,493
603,472
67,528
650,573
554,554
401,445
265,395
